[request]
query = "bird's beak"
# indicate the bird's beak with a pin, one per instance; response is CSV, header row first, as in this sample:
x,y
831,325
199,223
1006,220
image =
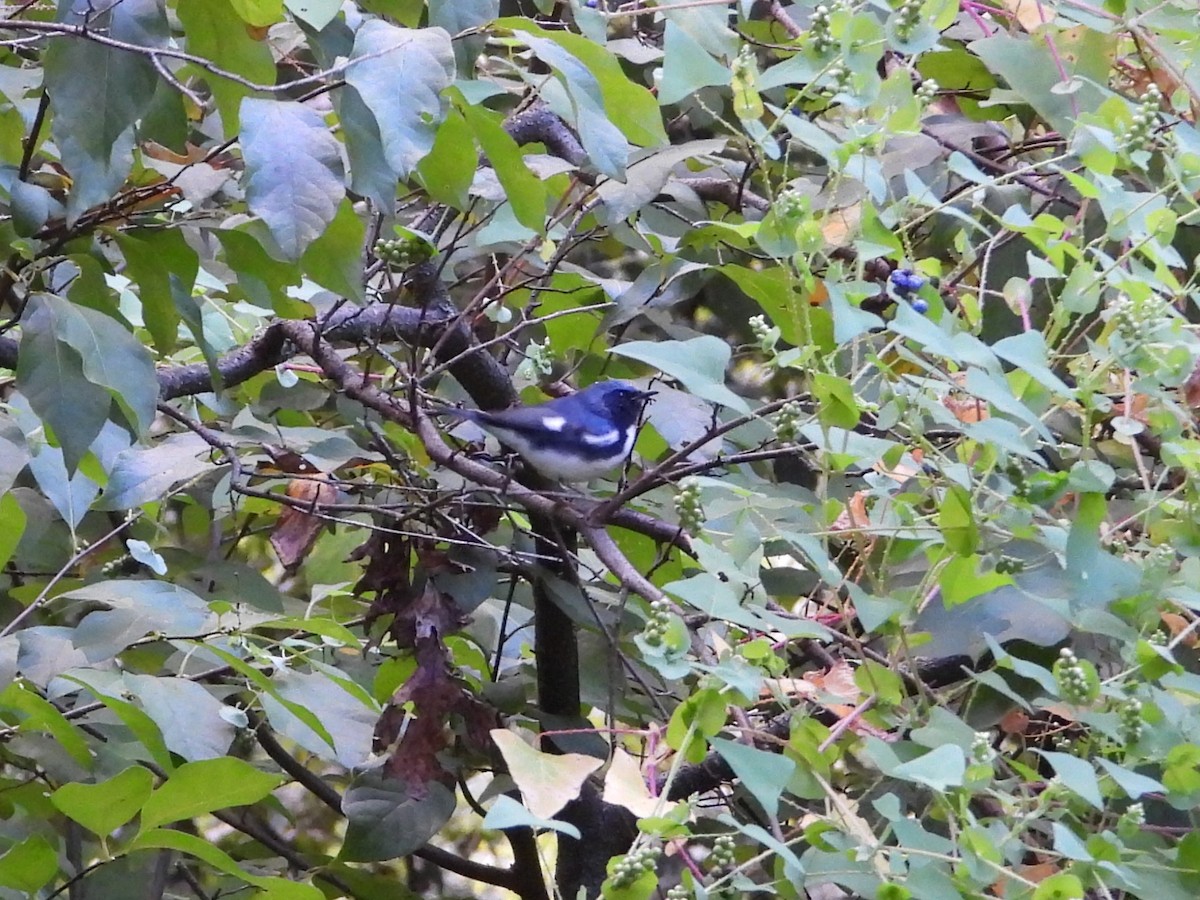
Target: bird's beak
x,y
647,396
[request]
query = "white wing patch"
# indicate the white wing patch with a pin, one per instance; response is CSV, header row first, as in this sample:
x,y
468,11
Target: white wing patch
x,y
553,423
602,440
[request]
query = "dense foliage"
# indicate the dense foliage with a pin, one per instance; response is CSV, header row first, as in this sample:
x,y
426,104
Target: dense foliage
x,y
897,598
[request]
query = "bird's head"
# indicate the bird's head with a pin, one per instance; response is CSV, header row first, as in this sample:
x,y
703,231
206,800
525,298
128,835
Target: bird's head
x,y
619,399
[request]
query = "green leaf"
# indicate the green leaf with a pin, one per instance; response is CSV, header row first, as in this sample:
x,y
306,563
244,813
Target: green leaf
x,y
1059,887
370,174
956,521
628,105
1097,576
606,147
762,773
943,727
317,625
293,171
448,170
109,358
836,404
104,807
29,866
205,850
960,579
188,716
135,608
98,93
793,868
939,769
344,716
264,279
524,191
646,177
456,16
698,364
50,375
1027,351
334,260
32,205
268,686
38,715
139,724
143,474
1070,846
71,495
259,13
1076,774
1134,784
112,358
12,524
774,289
508,813
152,256
687,67
316,13
206,786
1181,770
1032,72
389,820
216,33
694,720
399,73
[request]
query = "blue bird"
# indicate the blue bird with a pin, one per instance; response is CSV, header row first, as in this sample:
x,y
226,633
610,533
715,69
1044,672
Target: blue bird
x,y
571,438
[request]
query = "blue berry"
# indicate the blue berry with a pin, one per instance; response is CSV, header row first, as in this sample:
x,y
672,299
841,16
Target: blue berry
x,y
905,281
919,306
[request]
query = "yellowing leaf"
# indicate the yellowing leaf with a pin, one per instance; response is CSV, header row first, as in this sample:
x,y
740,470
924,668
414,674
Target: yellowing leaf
x,y
1029,13
624,786
547,781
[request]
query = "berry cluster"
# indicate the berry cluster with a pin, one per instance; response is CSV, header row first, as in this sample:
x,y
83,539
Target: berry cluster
x,y
981,747
819,35
764,334
1140,134
1132,726
927,90
539,360
122,565
787,422
633,865
688,506
1077,684
789,203
837,79
402,252
1009,565
722,856
1137,323
904,282
1132,819
908,16
679,892
656,626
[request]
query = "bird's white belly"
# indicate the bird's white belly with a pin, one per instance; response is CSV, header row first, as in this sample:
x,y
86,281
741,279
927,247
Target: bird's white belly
x,y
564,466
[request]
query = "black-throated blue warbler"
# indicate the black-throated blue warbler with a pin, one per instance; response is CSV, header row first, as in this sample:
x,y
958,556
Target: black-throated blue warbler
x,y
572,438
